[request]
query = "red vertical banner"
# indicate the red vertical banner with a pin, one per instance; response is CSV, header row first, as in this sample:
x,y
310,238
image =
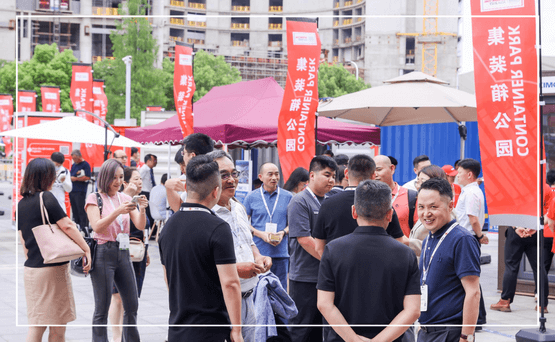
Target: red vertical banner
x,y
184,87
81,89
50,96
26,101
296,145
100,103
6,114
506,73
94,154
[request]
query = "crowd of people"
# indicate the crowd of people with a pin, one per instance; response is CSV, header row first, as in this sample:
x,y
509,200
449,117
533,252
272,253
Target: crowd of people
x,y
340,244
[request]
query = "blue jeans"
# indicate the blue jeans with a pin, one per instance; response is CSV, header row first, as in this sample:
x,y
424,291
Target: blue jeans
x,y
113,265
280,267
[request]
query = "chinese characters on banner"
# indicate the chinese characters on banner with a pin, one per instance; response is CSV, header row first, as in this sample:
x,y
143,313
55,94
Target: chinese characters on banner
x,y
184,87
296,146
81,89
26,101
505,72
50,99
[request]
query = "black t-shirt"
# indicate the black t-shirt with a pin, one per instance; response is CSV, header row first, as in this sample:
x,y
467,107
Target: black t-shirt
x,y
28,214
369,284
191,244
336,220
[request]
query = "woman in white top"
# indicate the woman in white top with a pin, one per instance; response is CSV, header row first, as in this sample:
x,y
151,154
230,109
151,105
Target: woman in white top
x,y
62,184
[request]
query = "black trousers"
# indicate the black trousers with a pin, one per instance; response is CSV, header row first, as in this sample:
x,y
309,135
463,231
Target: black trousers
x,y
547,256
77,200
305,296
150,220
440,334
515,247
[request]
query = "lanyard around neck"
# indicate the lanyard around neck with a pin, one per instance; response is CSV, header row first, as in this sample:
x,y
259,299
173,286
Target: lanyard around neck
x,y
425,268
315,198
183,209
266,205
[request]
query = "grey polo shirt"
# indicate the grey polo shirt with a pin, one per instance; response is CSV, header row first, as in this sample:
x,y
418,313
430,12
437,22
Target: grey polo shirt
x,y
302,213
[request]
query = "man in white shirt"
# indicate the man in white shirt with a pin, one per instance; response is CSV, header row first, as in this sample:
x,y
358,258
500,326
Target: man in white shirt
x,y
470,208
419,163
250,263
62,184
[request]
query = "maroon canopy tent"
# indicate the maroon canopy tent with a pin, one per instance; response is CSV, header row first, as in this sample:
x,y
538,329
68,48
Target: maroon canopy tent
x,y
245,114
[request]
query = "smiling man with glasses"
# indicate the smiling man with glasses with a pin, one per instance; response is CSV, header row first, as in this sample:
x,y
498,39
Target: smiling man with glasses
x,y
120,156
250,263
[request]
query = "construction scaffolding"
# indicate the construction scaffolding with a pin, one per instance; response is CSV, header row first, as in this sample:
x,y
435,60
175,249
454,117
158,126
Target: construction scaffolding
x,y
52,31
253,68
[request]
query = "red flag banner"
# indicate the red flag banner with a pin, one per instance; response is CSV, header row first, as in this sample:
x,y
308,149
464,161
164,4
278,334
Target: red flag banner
x,y
100,103
81,89
50,96
26,101
505,72
94,154
6,114
184,87
296,146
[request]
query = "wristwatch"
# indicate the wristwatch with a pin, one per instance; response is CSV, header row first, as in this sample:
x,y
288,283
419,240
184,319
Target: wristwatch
x,y
480,237
469,338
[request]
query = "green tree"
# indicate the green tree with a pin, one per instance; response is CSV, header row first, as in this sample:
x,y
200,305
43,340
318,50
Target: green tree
x,y
334,80
132,37
46,67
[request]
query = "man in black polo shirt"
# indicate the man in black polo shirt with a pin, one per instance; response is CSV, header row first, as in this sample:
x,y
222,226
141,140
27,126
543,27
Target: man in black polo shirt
x,y
360,283
197,254
335,219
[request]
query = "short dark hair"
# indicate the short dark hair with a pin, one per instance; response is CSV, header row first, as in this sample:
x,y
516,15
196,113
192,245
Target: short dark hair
x,y
550,177
328,153
57,157
372,199
361,167
300,174
203,175
340,174
106,174
419,159
76,153
434,171
134,150
39,176
341,159
457,163
393,160
440,185
472,165
179,156
128,172
148,156
199,143
321,162
164,178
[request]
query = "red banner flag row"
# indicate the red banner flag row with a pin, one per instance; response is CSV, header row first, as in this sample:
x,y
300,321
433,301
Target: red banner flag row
x,y
50,96
296,137
81,89
505,72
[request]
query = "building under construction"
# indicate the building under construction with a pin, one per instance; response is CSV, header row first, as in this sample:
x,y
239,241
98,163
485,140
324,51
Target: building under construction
x,y
383,39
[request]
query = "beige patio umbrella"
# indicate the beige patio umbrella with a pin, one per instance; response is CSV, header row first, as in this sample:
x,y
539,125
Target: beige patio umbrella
x,y
414,98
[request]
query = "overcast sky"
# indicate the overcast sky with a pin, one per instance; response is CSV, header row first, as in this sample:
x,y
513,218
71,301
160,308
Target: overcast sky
x,y
548,33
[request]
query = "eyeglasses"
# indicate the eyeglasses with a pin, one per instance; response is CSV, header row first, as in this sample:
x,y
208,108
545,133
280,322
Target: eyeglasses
x,y
226,175
121,157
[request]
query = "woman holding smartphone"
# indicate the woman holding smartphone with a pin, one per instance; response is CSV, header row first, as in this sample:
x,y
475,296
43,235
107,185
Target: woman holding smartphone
x,y
112,261
132,186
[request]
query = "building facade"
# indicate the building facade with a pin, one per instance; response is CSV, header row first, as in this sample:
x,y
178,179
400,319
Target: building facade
x,y
384,39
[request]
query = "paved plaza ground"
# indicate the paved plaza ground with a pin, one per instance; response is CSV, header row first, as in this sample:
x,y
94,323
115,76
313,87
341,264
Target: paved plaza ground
x,y
153,304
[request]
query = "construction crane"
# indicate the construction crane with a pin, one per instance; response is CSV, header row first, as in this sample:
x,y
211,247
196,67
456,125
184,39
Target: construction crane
x,y
430,37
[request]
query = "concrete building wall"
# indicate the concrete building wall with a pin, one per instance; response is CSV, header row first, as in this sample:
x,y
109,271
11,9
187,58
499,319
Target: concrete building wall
x,y
386,40
7,29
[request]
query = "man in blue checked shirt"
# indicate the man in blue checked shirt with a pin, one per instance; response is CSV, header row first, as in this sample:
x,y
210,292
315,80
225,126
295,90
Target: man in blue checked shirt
x,y
267,209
